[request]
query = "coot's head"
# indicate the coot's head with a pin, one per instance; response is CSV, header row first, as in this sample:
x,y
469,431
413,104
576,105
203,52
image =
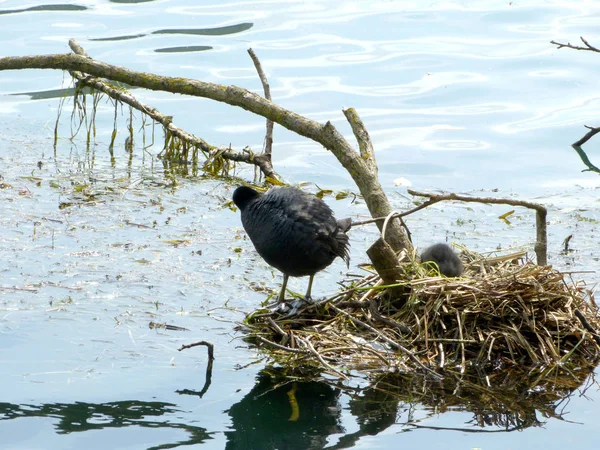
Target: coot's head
x,y
243,196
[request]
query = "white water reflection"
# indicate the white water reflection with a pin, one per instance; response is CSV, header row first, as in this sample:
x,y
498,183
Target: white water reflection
x,y
453,145
292,87
577,112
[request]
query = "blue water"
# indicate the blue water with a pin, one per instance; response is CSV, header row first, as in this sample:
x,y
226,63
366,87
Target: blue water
x,y
466,96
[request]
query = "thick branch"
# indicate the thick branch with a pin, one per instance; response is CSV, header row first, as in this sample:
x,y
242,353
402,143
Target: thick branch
x,y
362,137
385,262
227,94
541,245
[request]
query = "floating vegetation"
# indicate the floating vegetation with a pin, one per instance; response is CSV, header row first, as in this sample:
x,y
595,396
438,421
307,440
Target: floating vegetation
x,y
504,313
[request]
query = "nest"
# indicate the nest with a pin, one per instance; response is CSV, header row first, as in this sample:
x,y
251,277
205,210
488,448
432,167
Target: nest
x,y
504,311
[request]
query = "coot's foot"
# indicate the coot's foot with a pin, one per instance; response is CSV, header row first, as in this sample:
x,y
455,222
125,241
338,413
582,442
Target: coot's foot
x,y
289,308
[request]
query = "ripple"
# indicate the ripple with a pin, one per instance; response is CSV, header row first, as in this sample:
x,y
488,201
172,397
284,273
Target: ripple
x,y
45,8
184,49
454,145
240,129
119,38
233,74
549,73
392,138
131,1
577,112
217,31
331,50
296,86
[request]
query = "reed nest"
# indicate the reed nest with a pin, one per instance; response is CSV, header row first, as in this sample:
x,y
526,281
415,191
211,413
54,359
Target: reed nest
x,y
504,311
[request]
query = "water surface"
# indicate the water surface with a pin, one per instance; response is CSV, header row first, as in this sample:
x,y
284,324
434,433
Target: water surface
x,y
466,97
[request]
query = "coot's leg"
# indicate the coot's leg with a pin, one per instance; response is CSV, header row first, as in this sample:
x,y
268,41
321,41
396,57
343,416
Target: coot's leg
x,y
282,293
307,296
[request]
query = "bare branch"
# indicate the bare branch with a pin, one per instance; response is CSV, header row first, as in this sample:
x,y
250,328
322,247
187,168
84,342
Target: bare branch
x,y
541,245
263,79
362,137
588,47
398,215
590,134
210,347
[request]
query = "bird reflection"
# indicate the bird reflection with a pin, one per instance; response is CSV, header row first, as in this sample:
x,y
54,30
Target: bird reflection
x,y
298,415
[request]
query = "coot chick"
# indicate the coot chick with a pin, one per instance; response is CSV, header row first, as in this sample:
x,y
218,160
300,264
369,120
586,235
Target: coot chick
x,y
294,232
447,261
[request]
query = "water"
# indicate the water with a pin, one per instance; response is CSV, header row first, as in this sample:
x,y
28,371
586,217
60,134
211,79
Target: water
x,y
456,96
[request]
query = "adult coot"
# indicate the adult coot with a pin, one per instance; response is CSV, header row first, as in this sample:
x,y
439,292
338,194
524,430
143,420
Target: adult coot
x,y
448,263
294,232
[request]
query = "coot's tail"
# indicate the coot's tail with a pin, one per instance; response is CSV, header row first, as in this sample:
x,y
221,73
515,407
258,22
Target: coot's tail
x,y
345,224
343,249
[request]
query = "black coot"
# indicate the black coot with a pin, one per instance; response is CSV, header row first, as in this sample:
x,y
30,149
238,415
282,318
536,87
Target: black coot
x,y
447,261
294,232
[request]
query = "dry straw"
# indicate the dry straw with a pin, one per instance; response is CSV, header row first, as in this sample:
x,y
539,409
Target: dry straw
x,y
504,312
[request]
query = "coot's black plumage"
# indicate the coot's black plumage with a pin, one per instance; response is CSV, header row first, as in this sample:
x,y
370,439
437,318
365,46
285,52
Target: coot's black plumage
x,y
448,262
294,232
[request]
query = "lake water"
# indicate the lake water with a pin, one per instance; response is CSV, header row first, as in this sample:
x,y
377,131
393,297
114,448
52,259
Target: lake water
x,y
463,96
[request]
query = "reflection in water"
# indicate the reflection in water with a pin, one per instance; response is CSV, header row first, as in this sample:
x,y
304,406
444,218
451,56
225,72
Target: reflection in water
x,y
53,93
207,377
131,1
120,38
508,399
66,92
185,49
299,415
304,415
280,414
80,416
219,31
277,414
582,154
45,8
